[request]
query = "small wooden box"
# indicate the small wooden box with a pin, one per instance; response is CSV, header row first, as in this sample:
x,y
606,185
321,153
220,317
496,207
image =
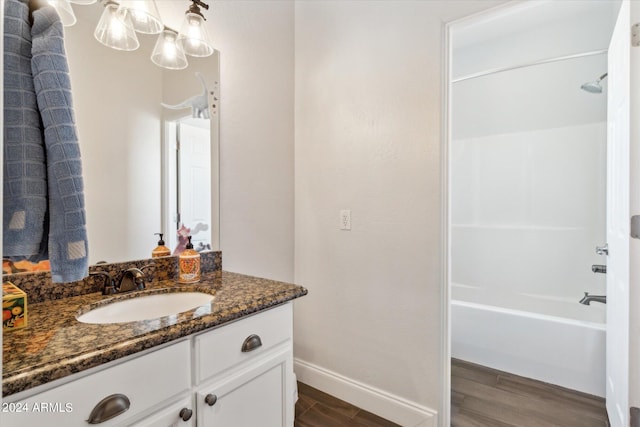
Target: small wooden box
x,y
14,307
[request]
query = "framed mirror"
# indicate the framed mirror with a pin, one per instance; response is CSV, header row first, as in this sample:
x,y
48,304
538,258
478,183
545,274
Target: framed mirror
x,y
121,126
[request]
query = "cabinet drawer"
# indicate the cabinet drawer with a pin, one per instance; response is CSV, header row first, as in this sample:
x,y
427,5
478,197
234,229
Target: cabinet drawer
x,y
220,349
145,381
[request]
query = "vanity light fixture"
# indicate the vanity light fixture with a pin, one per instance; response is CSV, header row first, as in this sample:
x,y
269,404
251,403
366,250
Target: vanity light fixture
x,y
115,29
144,16
121,20
194,37
167,53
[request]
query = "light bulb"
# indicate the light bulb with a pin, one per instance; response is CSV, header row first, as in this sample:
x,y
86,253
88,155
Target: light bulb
x,y
144,16
169,51
166,52
194,38
115,29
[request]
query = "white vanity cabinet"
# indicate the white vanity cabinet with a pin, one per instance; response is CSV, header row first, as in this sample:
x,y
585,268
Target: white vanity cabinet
x,y
179,414
256,396
134,388
244,372
238,375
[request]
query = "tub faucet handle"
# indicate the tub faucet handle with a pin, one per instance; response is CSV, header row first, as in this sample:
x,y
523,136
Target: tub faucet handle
x,y
603,250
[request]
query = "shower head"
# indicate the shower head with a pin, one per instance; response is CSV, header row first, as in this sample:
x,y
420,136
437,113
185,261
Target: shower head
x,y
594,87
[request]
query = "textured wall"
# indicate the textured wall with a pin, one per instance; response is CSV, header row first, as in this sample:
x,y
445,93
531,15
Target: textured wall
x,y
368,135
255,39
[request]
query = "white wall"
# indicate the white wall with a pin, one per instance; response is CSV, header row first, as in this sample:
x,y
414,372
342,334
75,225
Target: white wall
x,y
255,39
368,134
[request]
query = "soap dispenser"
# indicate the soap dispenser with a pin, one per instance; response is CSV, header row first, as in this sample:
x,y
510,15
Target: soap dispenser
x,y
189,264
161,249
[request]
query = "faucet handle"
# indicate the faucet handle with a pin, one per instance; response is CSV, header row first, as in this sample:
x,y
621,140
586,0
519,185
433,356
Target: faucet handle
x,y
150,274
109,284
136,276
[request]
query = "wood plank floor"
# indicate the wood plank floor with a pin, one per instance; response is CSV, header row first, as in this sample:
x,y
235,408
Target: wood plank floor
x,y
482,396
317,409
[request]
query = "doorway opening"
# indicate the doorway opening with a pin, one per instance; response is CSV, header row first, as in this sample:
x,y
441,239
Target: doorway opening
x,y
526,190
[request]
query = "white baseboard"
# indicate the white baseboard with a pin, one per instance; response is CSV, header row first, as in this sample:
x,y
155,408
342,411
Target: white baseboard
x,y
371,399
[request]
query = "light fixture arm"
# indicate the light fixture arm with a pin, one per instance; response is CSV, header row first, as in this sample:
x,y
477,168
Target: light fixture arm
x,y
195,8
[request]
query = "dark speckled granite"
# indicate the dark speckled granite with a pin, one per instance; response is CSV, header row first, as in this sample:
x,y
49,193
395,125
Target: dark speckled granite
x,y
55,344
39,287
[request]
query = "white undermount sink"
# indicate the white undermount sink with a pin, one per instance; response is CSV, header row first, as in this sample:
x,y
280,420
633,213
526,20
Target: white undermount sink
x,y
146,307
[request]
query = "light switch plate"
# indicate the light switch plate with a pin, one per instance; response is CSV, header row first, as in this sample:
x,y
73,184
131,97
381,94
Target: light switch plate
x,y
635,226
345,219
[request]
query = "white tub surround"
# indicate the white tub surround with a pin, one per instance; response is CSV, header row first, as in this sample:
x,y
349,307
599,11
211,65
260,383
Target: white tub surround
x,y
557,350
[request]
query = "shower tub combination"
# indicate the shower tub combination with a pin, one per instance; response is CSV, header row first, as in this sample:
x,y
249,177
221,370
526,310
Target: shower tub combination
x,y
564,345
522,253
528,192
527,164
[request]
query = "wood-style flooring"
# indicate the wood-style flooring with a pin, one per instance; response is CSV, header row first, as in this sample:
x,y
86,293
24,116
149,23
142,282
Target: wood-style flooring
x,y
482,397
317,409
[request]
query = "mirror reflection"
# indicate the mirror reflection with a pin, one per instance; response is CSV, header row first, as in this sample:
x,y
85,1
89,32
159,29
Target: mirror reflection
x,y
188,150
134,185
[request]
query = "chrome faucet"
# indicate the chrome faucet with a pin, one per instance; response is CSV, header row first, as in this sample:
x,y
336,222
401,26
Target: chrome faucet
x,y
586,300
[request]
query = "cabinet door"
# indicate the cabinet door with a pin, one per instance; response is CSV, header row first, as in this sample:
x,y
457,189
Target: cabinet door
x,y
256,395
180,414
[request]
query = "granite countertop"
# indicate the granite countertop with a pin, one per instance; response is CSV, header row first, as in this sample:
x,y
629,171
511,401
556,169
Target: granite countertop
x,y
55,344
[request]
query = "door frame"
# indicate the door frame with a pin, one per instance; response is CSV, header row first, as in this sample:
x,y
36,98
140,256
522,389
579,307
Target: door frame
x,y
444,419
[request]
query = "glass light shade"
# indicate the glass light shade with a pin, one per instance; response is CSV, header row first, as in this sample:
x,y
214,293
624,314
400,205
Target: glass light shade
x,y
144,16
166,53
63,7
194,38
83,1
115,29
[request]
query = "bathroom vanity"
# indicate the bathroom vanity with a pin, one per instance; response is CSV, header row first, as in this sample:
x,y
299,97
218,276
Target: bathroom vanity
x,y
227,363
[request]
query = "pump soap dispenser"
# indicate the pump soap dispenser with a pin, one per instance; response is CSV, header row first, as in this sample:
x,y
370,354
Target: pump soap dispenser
x,y
161,249
189,264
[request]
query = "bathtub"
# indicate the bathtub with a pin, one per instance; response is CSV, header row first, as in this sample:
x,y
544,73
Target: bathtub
x,y
556,341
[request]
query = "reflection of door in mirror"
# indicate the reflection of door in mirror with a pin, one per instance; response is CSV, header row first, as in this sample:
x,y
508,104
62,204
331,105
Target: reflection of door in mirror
x,y
188,150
